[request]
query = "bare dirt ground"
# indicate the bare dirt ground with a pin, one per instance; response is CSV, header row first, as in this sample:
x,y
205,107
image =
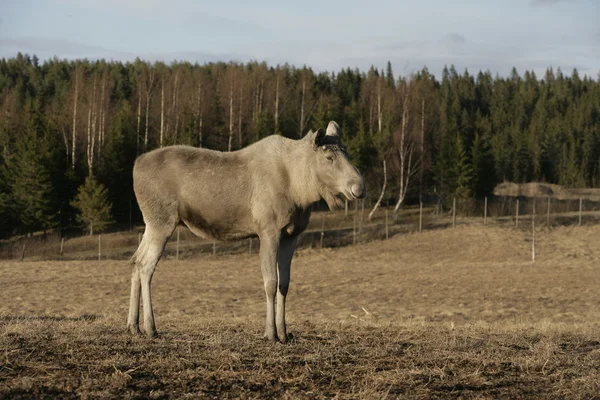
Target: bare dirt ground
x,y
450,313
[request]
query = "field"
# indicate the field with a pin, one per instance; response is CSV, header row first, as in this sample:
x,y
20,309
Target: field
x,y
447,313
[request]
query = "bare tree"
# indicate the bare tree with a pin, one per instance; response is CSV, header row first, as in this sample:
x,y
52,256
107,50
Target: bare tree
x,y
91,128
162,110
382,191
371,94
305,99
149,86
302,120
102,117
174,109
277,102
258,89
199,109
405,149
139,113
75,102
422,152
379,115
231,116
240,116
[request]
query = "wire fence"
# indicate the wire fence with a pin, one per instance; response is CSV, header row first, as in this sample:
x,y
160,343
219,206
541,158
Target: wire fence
x,y
326,229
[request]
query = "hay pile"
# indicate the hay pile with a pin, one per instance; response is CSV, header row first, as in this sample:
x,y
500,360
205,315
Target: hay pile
x,y
539,189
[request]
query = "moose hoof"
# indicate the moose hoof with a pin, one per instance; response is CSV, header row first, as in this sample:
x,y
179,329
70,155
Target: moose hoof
x,y
152,334
270,338
283,338
134,329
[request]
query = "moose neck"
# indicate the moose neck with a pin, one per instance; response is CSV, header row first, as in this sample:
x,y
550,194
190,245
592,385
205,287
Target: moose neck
x,y
304,187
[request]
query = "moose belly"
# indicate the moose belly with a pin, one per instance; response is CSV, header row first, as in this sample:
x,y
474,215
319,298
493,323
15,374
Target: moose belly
x,y
220,224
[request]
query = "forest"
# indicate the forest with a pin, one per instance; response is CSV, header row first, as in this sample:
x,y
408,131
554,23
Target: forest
x,y
70,130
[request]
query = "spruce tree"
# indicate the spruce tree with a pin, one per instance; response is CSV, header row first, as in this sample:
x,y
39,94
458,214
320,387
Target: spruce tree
x,y
29,178
93,205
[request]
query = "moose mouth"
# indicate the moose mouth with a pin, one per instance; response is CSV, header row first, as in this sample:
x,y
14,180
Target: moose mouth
x,y
341,198
349,194
336,201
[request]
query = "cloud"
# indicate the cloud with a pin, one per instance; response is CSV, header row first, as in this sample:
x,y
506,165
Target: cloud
x,y
410,56
540,3
455,38
46,47
196,56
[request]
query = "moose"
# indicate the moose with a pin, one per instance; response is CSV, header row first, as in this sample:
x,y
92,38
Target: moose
x,y
265,190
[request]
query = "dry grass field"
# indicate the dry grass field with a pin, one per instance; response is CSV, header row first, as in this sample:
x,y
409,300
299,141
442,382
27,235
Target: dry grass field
x,y
447,313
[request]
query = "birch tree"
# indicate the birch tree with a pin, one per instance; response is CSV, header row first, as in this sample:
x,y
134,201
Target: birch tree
x,y
199,112
77,77
405,148
91,128
162,110
378,203
149,83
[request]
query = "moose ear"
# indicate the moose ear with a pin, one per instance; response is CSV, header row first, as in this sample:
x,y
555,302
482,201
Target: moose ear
x,y
333,129
319,136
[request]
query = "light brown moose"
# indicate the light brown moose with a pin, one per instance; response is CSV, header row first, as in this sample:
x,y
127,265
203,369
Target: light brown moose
x,y
266,189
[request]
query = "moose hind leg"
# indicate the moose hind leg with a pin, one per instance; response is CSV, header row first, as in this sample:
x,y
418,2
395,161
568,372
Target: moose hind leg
x,y
284,261
134,300
154,242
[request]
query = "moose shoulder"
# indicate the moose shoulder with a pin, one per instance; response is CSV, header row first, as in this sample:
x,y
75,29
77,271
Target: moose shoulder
x,y
263,190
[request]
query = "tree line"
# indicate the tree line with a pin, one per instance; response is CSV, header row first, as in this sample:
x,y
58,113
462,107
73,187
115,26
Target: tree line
x,y
70,131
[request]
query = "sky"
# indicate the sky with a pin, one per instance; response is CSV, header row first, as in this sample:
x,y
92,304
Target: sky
x,y
326,35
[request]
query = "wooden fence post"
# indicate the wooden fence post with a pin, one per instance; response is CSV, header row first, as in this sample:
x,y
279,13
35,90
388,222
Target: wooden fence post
x,y
249,245
420,216
454,212
177,248
346,208
130,219
354,231
214,248
23,251
99,247
362,211
62,247
517,215
485,211
322,230
548,213
386,225
580,209
533,233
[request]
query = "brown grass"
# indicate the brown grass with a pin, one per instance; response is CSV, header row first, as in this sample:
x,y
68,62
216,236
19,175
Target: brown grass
x,y
443,314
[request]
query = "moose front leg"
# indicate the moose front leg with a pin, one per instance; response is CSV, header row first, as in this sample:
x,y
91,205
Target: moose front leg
x,y
269,243
284,261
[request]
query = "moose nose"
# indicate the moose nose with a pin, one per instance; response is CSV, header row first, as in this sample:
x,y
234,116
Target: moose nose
x,y
358,190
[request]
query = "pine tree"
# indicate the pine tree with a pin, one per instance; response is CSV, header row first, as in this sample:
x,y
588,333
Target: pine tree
x,y
93,205
389,76
463,170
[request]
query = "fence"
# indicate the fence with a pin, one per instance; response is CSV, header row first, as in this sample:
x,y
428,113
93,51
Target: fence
x,y
326,229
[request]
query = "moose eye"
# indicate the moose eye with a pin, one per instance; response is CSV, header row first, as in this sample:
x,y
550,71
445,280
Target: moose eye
x,y
330,158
